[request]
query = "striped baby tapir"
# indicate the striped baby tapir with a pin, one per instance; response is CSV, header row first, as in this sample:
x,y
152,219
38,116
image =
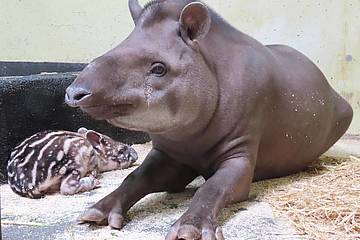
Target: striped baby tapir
x,y
67,161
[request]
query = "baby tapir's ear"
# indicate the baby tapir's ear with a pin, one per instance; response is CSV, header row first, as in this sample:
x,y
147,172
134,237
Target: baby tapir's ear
x,y
194,21
94,138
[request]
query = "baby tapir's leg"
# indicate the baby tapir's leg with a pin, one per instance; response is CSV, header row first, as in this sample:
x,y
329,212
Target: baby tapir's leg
x,y
73,183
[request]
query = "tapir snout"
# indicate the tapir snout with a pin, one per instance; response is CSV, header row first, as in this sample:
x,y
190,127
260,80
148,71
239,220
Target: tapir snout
x,y
76,95
89,84
100,90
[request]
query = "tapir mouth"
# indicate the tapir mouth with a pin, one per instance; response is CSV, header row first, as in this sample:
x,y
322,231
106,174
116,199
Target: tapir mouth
x,y
105,112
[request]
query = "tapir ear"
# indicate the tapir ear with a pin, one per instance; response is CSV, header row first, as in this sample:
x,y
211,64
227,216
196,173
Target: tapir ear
x,y
195,21
135,9
94,138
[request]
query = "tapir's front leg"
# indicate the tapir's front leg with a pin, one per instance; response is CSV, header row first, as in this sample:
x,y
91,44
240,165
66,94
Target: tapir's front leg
x,y
157,173
230,184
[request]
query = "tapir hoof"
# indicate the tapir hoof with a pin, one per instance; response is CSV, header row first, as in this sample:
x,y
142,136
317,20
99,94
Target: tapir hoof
x,y
194,228
93,215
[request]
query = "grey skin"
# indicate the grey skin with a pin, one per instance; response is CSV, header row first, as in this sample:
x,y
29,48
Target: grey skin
x,y
226,108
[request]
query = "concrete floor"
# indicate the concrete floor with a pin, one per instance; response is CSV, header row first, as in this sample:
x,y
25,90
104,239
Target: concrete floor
x,y
54,217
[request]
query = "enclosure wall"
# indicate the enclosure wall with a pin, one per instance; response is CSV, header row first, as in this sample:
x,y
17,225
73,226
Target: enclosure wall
x,y
328,31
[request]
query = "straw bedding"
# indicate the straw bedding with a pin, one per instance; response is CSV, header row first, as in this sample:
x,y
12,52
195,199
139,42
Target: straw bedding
x,y
322,202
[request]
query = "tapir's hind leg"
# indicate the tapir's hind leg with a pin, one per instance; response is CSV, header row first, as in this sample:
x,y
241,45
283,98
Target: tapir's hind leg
x,y
342,121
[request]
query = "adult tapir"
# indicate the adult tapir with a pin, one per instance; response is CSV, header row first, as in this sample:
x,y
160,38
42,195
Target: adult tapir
x,y
216,103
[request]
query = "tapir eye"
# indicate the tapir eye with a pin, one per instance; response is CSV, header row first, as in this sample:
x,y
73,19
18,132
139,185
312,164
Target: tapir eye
x,y
158,69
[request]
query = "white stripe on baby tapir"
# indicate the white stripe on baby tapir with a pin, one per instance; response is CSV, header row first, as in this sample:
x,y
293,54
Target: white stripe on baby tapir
x,y
16,188
27,159
67,144
49,175
23,142
47,136
11,174
18,154
33,173
60,155
43,149
13,153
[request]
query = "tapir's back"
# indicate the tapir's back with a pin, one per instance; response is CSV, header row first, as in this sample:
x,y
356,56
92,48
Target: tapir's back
x,y
307,116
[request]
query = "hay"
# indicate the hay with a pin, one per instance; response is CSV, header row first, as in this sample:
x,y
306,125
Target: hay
x,y
322,203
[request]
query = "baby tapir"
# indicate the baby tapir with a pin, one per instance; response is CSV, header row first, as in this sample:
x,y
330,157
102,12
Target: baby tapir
x,y
69,161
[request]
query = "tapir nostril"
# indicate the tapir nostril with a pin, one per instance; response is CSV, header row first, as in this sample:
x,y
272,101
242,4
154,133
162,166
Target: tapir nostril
x,y
73,96
80,96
